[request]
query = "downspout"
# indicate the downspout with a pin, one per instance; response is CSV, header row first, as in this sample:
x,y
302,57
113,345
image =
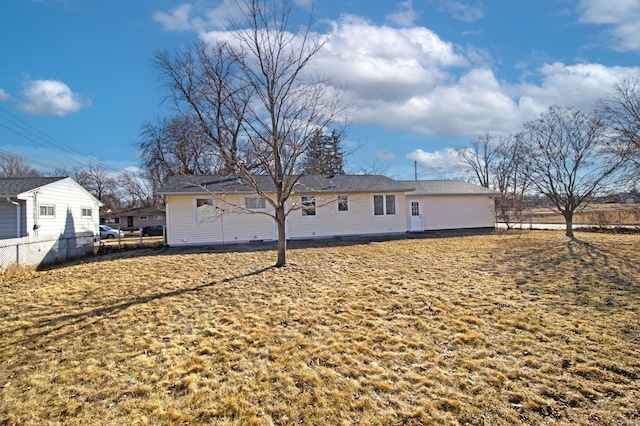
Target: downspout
x,y
18,221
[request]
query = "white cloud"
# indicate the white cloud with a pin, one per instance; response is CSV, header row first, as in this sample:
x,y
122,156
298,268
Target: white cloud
x,y
381,62
412,80
462,11
623,16
198,18
577,86
405,16
179,19
4,95
51,97
436,162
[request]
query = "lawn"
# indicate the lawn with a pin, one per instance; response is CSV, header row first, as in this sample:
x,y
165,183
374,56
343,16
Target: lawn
x,y
507,328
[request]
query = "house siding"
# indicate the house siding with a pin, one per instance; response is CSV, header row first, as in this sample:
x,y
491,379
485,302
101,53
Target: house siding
x,y
453,212
68,198
358,220
139,223
230,224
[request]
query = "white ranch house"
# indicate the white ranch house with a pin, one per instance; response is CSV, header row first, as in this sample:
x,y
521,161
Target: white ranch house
x,y
205,210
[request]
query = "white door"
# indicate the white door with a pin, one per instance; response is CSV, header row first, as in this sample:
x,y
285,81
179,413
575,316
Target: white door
x,y
415,222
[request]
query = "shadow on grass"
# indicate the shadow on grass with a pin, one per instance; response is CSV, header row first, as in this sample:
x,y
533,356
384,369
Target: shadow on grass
x,y
582,273
44,331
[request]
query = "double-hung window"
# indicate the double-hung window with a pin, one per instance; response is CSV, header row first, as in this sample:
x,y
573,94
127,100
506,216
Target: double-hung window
x,y
384,205
308,206
205,209
86,212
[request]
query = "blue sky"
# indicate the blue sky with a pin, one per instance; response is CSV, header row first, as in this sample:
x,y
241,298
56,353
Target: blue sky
x,y
424,76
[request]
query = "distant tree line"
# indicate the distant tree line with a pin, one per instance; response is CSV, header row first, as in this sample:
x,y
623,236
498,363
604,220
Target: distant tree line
x,y
570,157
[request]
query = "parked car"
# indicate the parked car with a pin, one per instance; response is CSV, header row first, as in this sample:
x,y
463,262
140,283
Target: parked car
x,y
151,231
107,232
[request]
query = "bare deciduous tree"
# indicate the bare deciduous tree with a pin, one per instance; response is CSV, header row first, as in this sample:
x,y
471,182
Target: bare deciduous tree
x,y
569,155
621,110
136,188
511,177
100,182
254,99
172,146
480,157
14,166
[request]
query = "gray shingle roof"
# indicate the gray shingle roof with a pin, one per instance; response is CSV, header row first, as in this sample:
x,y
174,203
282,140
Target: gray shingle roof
x,y
310,184
141,211
10,187
446,187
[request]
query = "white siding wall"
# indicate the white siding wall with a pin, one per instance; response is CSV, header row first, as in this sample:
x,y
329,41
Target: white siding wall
x,y
235,225
229,225
359,220
454,212
68,198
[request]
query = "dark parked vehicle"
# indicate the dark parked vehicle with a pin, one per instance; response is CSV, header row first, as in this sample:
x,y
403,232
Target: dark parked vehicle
x,y
152,231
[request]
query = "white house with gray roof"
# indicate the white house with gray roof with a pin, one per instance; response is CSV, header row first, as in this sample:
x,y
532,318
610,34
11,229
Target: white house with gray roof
x,y
45,219
204,210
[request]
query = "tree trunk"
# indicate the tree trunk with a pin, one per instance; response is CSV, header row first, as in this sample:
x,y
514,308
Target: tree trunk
x,y
282,236
568,217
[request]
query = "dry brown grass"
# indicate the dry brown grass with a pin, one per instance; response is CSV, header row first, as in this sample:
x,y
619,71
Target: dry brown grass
x,y
511,328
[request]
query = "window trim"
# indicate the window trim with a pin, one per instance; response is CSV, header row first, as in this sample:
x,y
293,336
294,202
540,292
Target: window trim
x,y
143,217
47,207
83,211
344,203
308,206
260,201
385,205
208,201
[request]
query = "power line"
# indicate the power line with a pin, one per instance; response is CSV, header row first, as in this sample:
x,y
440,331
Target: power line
x,y
26,159
46,141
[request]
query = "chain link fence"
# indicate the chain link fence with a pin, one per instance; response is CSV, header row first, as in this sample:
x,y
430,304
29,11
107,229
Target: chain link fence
x,y
41,250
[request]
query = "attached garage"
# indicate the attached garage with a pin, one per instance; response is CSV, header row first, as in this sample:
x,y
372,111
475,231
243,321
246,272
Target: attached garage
x,y
449,204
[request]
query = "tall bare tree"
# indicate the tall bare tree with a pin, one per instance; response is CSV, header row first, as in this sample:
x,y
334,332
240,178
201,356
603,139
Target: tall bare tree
x,y
100,182
170,146
569,155
255,100
480,156
511,177
621,110
136,189
14,166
